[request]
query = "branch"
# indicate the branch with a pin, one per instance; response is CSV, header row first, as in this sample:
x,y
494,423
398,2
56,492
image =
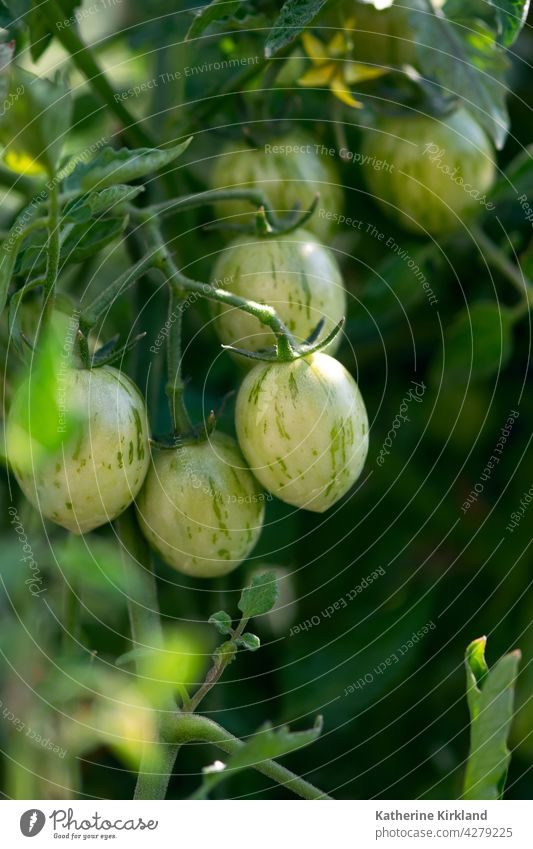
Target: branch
x,y
189,728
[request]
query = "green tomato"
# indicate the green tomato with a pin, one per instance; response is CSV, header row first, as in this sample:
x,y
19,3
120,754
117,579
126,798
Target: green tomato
x,y
294,274
201,508
436,172
92,478
288,170
303,429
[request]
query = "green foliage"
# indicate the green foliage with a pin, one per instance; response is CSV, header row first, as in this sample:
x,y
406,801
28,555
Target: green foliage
x,y
460,55
490,695
249,641
260,596
217,10
221,621
266,744
294,17
111,167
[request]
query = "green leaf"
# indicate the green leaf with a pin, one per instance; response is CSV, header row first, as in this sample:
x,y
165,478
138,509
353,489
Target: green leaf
x,y
217,10
110,166
477,344
249,641
260,596
266,744
221,621
490,695
294,17
83,241
85,207
510,16
464,59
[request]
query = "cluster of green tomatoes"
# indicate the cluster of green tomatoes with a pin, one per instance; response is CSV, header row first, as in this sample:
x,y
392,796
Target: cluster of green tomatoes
x,y
301,424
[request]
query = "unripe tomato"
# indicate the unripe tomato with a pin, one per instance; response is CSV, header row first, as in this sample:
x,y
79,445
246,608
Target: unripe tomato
x,y
201,508
436,173
288,170
303,429
294,274
93,478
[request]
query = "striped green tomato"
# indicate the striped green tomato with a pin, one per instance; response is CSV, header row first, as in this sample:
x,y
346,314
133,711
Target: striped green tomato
x,y
433,173
303,429
288,170
201,508
295,274
93,477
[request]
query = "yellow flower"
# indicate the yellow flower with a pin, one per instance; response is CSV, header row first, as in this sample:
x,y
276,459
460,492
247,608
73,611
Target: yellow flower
x,y
331,67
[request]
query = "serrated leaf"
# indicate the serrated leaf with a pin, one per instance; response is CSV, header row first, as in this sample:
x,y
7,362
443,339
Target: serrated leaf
x,y
260,596
294,17
463,58
83,241
490,700
111,166
249,641
221,621
476,345
266,744
84,207
215,11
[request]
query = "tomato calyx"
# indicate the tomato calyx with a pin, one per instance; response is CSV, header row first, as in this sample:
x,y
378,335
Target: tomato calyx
x,y
267,225
288,349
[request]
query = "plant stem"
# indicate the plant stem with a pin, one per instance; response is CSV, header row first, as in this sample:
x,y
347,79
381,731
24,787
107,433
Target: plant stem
x,y
105,299
84,60
175,386
143,610
495,257
189,728
214,673
53,255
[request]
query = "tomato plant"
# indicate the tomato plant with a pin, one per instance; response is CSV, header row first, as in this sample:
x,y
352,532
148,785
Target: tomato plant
x,y
295,274
92,478
288,168
335,192
435,173
200,507
303,428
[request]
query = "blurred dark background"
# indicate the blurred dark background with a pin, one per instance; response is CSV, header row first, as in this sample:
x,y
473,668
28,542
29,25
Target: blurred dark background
x,y
404,734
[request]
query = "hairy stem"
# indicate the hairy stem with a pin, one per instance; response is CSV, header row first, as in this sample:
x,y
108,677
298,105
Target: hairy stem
x,y
189,728
215,673
175,386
